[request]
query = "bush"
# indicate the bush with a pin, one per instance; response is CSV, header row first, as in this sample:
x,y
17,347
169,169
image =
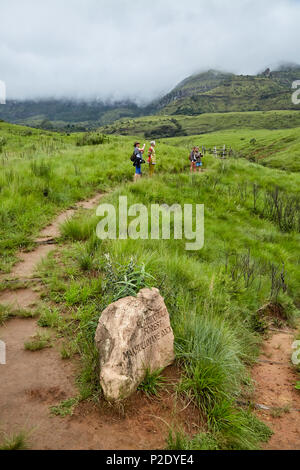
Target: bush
x,y
92,139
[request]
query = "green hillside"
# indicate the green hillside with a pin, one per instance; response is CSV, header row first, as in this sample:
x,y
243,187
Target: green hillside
x,y
67,115
273,148
213,92
170,126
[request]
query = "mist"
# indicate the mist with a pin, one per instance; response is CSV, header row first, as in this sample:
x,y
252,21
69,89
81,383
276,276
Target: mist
x,y
135,49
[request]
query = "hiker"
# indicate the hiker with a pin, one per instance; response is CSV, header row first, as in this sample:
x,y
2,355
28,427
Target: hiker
x,y
199,163
215,151
152,158
138,160
192,159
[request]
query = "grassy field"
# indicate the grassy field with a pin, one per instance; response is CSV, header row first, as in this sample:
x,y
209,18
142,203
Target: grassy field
x,y
250,257
273,148
43,172
170,126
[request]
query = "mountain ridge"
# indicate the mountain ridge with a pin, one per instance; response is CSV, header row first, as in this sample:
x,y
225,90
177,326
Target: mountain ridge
x,y
211,91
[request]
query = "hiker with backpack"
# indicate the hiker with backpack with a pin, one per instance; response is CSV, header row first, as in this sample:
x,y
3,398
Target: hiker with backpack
x,y
137,159
152,158
192,159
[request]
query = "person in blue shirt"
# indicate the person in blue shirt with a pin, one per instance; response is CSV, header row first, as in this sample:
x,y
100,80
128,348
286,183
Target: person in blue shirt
x,y
138,161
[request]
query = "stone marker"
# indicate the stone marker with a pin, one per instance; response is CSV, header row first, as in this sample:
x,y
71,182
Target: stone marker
x,y
133,334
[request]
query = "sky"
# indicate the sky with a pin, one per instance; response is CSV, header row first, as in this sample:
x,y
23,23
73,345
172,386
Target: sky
x,y
137,49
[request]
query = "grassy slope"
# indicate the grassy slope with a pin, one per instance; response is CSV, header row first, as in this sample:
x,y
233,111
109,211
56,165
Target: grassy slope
x,y
204,123
43,172
273,148
212,307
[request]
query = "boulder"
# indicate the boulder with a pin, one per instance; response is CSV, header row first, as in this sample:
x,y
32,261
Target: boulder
x,y
133,334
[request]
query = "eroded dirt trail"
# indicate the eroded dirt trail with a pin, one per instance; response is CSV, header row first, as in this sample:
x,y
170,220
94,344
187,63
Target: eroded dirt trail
x,y
24,270
277,399
31,382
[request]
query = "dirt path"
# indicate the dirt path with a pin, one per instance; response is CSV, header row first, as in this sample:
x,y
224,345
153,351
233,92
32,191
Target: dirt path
x,y
31,382
278,401
24,270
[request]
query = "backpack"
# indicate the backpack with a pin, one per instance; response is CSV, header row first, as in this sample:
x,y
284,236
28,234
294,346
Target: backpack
x,y
133,157
192,157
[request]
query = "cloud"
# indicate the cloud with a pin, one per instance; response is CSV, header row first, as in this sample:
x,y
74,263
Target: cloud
x,y
137,49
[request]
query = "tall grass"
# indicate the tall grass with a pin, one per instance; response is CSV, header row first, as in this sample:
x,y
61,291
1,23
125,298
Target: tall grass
x,y
211,354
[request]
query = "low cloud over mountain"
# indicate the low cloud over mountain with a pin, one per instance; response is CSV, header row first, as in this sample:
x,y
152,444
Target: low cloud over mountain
x,y
136,49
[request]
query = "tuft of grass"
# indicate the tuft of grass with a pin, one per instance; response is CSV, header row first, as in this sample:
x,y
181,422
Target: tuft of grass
x,y
178,440
7,312
49,318
38,342
79,228
232,430
68,350
152,383
24,313
15,442
280,411
4,314
126,279
236,430
211,354
65,408
82,291
85,261
240,430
